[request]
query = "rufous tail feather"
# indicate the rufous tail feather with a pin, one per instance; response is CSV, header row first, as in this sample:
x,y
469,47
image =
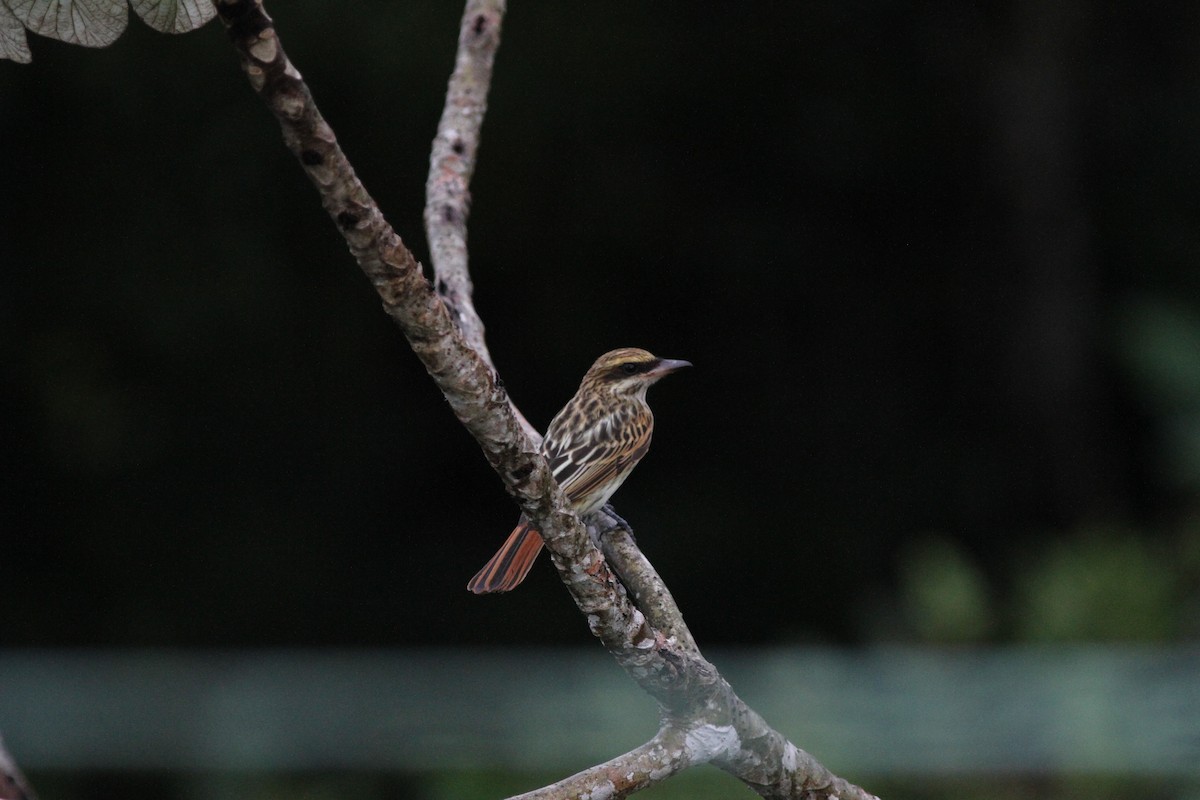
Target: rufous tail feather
x,y
512,562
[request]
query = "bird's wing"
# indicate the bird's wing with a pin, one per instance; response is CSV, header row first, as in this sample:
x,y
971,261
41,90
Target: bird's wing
x,y
593,462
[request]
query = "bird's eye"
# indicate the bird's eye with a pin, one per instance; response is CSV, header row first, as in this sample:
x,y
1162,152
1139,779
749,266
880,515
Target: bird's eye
x,y
629,368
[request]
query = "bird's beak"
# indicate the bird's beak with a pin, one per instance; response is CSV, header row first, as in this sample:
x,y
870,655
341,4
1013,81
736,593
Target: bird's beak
x,y
666,366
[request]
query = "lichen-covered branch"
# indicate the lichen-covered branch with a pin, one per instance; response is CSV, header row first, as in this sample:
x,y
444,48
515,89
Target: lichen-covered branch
x,y
452,163
469,384
653,762
471,387
703,720
638,575
774,767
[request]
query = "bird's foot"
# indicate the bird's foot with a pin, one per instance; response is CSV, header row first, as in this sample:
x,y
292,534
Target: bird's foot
x,y
617,521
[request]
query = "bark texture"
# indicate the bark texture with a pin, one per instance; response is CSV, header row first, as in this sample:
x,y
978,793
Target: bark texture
x,y
452,163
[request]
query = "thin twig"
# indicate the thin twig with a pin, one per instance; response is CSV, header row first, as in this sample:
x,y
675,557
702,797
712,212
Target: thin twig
x,y
651,763
452,163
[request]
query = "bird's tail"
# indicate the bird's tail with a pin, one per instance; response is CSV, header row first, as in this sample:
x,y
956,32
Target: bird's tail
x,y
511,563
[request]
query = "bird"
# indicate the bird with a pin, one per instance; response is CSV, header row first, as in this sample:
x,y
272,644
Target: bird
x,y
592,445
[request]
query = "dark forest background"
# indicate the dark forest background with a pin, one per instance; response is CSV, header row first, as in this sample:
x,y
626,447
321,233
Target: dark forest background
x,y
935,265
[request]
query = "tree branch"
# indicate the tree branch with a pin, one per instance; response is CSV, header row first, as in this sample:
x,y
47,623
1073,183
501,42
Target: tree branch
x,y
638,575
653,762
469,384
452,163
703,719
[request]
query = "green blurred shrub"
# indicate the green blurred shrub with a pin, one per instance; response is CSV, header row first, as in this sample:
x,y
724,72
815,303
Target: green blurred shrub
x,y
1158,343
1101,584
944,594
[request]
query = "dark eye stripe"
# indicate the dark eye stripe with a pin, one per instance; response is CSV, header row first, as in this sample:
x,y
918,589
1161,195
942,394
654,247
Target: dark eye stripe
x,y
631,368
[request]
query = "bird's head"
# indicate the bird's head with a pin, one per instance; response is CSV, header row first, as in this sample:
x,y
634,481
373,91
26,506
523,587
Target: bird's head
x,y
630,371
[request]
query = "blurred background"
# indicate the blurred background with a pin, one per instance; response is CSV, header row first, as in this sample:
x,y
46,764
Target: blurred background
x,y
934,265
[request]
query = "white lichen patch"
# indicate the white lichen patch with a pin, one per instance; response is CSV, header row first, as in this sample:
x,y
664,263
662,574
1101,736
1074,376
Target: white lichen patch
x,y
257,77
791,757
289,105
265,49
601,792
706,742
637,623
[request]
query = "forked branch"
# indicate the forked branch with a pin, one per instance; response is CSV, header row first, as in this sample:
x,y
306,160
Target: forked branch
x,y
703,719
